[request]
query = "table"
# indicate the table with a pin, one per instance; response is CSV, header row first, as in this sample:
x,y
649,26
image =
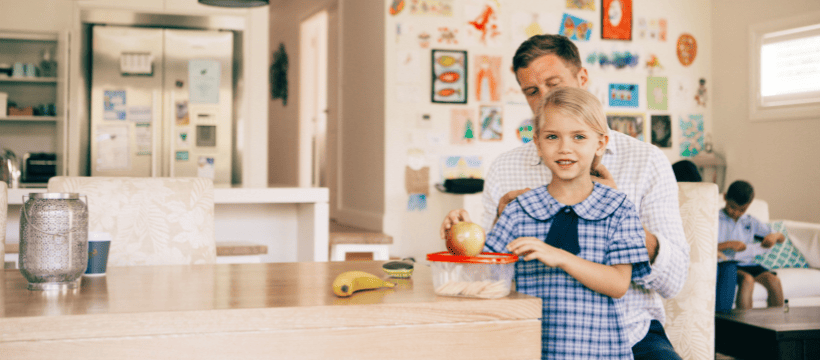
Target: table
x,y
769,333
256,311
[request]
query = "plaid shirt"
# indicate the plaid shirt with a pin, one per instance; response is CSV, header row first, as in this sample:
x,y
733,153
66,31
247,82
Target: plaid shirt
x,y
577,322
745,230
645,175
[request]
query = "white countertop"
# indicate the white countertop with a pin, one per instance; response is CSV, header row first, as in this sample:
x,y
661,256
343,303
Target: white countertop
x,y
223,195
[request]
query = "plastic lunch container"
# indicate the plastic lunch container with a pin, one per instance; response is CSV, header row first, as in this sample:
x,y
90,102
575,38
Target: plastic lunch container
x,y
488,275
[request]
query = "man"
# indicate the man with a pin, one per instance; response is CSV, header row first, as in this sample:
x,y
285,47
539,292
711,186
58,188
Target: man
x,y
641,170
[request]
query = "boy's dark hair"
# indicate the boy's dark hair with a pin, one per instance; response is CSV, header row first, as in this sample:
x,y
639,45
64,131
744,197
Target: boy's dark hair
x,y
540,45
740,192
686,171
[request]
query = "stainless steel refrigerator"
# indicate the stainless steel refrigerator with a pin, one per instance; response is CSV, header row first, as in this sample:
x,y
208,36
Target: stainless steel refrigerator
x,y
161,102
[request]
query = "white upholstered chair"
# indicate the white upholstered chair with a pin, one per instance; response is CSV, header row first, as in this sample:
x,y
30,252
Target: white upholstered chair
x,y
4,208
152,221
690,316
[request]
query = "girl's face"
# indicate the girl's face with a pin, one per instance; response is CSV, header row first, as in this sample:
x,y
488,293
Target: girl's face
x,y
567,146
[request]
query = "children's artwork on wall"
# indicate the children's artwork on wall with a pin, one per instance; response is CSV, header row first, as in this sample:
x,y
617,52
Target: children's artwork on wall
x,y
581,4
616,19
701,96
417,202
682,92
662,131
687,49
431,7
488,78
524,25
491,123
656,93
447,35
462,126
641,28
424,40
657,29
449,83
623,95
575,28
408,66
396,7
461,167
525,131
653,63
483,23
627,123
617,59
417,173
691,142
520,116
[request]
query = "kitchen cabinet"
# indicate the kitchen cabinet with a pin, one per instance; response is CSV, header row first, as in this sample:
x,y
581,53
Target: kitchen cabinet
x,y
38,131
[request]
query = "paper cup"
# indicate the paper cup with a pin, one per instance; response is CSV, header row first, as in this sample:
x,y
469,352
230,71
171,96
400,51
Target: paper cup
x,y
98,245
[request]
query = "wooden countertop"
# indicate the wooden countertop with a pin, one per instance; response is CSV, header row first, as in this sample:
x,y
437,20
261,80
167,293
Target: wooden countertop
x,y
232,248
209,305
229,195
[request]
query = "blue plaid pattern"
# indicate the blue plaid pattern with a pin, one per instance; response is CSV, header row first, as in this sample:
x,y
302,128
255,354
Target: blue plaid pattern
x,y
644,174
577,322
743,230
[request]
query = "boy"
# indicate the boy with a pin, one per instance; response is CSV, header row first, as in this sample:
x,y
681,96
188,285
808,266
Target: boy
x,y
741,237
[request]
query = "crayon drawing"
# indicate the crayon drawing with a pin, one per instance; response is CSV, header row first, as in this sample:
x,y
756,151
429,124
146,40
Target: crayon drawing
x,y
483,22
624,95
462,126
488,78
491,123
575,28
616,19
461,167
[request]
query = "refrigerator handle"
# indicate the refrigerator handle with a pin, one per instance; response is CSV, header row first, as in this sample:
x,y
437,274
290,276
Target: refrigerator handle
x,y
156,130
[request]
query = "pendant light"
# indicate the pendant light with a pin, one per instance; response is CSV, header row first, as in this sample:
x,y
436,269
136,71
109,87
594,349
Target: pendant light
x,y
235,3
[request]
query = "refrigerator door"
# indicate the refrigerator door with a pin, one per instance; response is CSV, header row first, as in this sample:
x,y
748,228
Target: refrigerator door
x,y
198,104
126,80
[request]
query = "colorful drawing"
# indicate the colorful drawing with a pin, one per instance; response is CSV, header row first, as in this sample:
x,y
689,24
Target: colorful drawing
x,y
687,49
581,4
417,202
619,60
416,173
630,124
525,131
488,78
575,28
447,35
691,142
662,131
484,23
524,25
653,63
449,83
656,93
701,96
616,19
461,167
662,29
461,126
431,7
424,40
624,95
396,7
491,128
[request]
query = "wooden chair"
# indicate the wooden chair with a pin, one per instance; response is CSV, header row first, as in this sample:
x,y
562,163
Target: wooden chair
x,y
690,316
152,221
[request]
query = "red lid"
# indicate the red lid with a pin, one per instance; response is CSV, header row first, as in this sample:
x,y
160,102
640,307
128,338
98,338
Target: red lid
x,y
483,258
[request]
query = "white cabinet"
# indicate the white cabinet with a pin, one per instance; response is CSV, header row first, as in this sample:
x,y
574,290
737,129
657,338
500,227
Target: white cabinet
x,y
44,129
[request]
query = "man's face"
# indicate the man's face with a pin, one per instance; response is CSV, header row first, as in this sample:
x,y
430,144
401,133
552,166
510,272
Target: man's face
x,y
546,73
734,210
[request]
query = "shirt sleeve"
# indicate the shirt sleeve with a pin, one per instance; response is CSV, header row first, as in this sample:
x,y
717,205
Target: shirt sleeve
x,y
490,196
660,214
628,243
504,230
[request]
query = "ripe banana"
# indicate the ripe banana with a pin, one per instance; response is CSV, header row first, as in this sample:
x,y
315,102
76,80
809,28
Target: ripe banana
x,y
348,282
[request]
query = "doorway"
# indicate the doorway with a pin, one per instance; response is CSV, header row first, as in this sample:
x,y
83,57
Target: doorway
x,y
313,104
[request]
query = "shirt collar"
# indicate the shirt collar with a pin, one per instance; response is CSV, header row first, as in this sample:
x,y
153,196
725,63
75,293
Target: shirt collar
x,y
603,202
534,159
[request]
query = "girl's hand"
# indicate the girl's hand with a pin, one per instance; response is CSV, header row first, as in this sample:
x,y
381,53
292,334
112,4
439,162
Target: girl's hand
x,y
531,249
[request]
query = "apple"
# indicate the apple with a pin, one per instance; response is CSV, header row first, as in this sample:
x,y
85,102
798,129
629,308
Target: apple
x,y
465,239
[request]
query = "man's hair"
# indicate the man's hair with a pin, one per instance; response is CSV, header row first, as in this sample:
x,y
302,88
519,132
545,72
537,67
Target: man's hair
x,y
576,103
740,192
540,45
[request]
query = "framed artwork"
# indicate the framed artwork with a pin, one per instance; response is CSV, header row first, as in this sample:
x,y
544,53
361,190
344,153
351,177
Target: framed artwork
x,y
449,85
491,128
624,95
631,124
662,131
616,20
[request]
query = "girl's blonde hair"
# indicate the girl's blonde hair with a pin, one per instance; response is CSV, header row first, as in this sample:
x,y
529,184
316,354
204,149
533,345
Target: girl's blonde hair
x,y
576,103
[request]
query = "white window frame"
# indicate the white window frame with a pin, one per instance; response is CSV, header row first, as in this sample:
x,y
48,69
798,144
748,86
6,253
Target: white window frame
x,y
808,24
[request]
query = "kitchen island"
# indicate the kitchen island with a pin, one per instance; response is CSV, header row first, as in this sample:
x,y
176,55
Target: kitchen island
x,y
260,311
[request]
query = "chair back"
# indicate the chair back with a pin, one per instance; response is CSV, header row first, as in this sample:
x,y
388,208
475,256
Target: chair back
x,y
152,221
690,316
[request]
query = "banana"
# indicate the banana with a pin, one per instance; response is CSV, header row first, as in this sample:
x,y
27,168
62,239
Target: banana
x,y
348,282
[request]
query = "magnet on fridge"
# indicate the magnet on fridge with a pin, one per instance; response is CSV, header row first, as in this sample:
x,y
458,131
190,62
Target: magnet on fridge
x,y
182,156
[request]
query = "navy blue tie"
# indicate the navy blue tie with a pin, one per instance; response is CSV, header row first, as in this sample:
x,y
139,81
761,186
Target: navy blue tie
x,y
564,231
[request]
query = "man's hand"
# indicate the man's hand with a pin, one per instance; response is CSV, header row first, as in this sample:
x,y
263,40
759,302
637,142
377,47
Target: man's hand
x,y
652,246
735,245
507,198
601,175
452,218
771,239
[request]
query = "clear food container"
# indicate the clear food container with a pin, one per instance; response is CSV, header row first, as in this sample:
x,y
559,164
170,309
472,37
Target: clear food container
x,y
488,275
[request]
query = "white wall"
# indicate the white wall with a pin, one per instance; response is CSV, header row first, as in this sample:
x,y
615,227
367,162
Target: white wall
x,y
778,157
416,233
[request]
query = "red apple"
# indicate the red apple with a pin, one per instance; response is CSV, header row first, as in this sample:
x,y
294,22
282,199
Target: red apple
x,y
465,239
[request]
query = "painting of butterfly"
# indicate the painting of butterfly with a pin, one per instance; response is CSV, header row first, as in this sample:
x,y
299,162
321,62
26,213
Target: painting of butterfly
x,y
575,28
449,83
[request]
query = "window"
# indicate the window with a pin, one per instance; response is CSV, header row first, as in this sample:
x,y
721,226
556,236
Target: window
x,y
785,69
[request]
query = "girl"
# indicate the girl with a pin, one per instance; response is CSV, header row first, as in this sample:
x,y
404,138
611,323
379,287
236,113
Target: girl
x,y
581,242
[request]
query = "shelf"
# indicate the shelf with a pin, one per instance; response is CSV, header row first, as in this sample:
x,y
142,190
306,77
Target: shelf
x,y
36,80
30,118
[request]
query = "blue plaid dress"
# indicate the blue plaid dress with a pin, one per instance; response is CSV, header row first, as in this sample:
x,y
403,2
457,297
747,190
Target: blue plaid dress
x,y
577,323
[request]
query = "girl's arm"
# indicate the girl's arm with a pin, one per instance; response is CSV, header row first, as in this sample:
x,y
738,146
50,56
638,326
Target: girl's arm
x,y
612,281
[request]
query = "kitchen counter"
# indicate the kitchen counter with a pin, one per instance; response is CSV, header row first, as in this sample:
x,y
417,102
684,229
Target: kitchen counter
x,y
256,311
292,222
